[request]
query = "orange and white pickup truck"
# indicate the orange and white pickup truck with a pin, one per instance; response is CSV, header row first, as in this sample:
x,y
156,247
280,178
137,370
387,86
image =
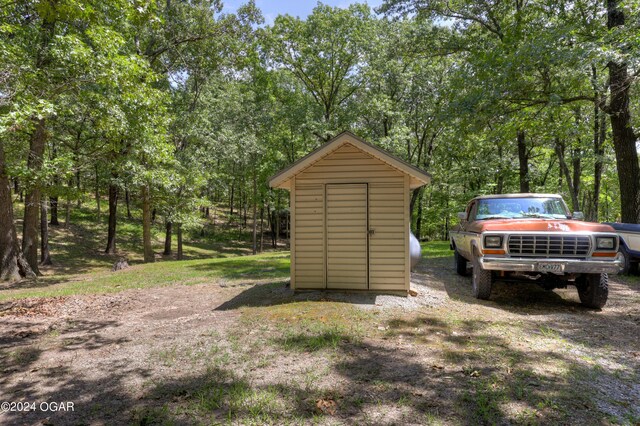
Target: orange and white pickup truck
x,y
534,237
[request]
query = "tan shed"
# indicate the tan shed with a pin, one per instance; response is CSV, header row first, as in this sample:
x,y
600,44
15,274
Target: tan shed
x,y
350,216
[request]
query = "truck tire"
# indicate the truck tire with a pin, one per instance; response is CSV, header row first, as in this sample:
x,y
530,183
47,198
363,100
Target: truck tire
x,y
626,267
481,280
629,267
593,290
460,263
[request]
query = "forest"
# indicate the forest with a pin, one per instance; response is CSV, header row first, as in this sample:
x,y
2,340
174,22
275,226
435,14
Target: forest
x,y
174,111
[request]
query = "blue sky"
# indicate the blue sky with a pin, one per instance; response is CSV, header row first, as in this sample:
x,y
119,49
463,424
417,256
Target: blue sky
x,y
272,8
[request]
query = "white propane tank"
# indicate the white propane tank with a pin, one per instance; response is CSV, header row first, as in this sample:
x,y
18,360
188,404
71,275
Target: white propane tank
x,y
415,251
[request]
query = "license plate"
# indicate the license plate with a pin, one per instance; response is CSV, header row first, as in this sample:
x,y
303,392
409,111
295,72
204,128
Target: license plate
x,y
550,267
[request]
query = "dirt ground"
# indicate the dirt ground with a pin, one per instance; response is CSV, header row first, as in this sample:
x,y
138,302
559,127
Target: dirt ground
x,y
254,353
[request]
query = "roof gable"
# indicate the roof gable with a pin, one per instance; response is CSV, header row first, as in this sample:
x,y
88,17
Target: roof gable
x,y
282,179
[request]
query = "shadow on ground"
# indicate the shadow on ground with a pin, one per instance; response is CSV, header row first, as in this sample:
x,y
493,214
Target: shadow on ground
x,y
523,297
24,344
279,293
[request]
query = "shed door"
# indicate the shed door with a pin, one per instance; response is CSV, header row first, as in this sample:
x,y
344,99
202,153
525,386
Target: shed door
x,y
347,236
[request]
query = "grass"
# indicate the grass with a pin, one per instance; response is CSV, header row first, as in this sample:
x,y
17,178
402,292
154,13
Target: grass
x,y
268,266
78,247
436,249
493,380
81,267
305,327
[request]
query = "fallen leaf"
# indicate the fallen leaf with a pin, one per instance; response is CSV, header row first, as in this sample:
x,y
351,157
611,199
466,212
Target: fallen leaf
x,y
327,406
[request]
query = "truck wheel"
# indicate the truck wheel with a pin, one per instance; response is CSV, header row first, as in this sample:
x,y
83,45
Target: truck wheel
x,y
481,280
629,267
626,266
460,263
593,290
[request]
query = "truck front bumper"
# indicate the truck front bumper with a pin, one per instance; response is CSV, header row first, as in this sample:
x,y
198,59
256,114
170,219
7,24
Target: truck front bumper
x,y
555,266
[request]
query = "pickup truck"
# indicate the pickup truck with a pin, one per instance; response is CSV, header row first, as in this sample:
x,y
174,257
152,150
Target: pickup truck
x,y
534,237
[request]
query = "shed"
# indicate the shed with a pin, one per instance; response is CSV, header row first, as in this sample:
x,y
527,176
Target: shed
x,y
350,216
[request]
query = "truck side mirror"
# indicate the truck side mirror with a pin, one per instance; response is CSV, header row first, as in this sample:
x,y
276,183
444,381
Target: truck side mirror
x,y
462,215
578,216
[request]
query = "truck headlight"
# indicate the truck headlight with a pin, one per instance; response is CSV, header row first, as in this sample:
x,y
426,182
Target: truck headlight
x,y
605,243
493,241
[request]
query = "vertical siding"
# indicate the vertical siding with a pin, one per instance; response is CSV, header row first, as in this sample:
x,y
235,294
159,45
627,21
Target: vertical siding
x,y
387,210
346,227
309,236
387,261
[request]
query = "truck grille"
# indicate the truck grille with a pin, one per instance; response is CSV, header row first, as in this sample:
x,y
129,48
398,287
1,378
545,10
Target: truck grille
x,y
549,245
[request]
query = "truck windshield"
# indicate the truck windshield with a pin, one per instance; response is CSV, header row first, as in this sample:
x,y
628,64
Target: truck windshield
x,y
516,208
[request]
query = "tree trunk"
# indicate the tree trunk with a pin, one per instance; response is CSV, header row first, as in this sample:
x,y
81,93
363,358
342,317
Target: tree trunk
x,y
13,266
277,220
97,195
54,211
53,201
179,238
564,170
500,175
416,196
418,233
46,33
624,138
255,213
45,255
231,201
127,201
272,220
113,210
32,197
523,159
599,134
146,225
98,212
78,188
167,239
261,227
244,200
576,162
446,219
67,209
215,212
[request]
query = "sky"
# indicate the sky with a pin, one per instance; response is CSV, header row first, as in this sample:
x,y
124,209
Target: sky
x,y
301,8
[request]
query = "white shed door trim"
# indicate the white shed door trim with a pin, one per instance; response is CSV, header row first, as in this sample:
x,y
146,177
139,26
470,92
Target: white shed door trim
x,y
347,225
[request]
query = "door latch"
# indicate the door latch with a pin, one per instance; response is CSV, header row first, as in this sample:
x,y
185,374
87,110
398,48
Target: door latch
x,y
371,232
